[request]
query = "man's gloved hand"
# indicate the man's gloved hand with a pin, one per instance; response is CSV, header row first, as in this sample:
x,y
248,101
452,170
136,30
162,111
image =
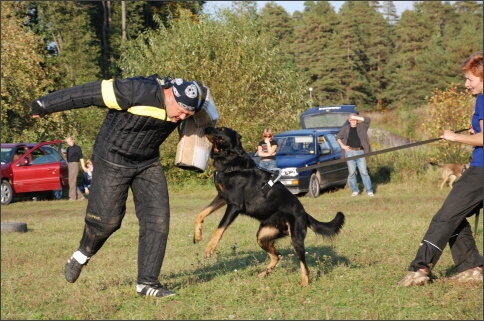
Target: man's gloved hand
x,y
38,108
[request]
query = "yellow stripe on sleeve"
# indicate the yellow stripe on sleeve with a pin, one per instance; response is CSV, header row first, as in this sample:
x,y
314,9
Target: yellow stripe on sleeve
x,y
149,111
109,97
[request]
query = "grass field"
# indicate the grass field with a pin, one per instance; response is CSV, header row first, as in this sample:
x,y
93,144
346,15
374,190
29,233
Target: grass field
x,y
353,277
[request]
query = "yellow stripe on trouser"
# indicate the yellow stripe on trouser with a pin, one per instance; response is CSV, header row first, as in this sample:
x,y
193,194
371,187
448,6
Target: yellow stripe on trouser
x,y
109,98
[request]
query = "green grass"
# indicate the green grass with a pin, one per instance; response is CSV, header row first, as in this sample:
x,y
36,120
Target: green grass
x,y
353,277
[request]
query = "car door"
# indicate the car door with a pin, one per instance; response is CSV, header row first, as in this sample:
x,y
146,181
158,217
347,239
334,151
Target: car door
x,y
335,174
39,169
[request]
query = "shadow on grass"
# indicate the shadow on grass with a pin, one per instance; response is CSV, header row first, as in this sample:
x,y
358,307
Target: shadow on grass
x,y
320,260
382,175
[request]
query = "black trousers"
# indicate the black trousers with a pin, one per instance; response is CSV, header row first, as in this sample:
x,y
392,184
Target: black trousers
x,y
107,206
449,225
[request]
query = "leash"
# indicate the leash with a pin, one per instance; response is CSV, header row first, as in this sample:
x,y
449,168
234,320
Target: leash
x,y
267,186
337,161
381,151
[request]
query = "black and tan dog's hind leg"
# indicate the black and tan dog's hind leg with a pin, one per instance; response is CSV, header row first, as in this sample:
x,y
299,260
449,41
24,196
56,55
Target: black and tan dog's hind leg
x,y
216,203
298,235
266,237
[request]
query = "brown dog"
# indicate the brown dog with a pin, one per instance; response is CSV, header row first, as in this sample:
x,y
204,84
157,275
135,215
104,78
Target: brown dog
x,y
451,172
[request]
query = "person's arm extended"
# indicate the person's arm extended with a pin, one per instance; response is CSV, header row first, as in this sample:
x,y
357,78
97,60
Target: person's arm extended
x,y
70,98
473,140
138,95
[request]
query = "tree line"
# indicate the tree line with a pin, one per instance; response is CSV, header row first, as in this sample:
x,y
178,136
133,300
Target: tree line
x,y
259,64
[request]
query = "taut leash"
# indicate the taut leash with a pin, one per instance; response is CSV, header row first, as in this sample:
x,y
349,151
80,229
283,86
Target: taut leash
x,y
381,151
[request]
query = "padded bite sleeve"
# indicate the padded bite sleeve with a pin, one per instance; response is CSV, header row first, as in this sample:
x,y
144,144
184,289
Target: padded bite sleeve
x,y
70,98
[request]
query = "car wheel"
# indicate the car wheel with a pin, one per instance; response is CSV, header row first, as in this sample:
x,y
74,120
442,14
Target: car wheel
x,y
314,186
7,192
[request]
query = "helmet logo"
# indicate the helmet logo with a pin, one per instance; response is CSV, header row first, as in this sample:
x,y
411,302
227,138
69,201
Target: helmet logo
x,y
191,91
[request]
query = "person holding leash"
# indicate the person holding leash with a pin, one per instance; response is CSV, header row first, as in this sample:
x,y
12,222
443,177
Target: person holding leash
x,y
353,139
142,112
465,199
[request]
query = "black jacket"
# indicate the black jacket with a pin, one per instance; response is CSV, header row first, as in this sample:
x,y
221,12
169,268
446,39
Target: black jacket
x,y
135,125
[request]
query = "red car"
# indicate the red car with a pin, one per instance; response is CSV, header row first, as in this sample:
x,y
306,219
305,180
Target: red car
x,y
31,170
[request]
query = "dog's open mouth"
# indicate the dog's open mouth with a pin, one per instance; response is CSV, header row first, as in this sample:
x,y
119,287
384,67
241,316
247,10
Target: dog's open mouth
x,y
213,141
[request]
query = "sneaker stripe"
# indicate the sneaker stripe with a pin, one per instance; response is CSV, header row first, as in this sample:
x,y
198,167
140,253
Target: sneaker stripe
x,y
152,292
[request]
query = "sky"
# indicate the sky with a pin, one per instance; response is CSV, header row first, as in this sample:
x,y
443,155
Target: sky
x,y
291,6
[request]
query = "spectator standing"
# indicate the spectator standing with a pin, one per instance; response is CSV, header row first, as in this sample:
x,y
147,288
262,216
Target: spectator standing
x,y
267,150
142,113
353,139
465,199
74,156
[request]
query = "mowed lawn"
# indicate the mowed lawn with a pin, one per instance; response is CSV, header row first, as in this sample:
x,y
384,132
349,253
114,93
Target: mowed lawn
x,y
354,276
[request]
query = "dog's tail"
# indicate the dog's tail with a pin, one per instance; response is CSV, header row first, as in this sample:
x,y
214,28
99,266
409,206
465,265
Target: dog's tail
x,y
435,164
327,229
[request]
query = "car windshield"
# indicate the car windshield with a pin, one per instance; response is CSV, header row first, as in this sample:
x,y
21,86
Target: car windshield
x,y
325,120
6,155
295,145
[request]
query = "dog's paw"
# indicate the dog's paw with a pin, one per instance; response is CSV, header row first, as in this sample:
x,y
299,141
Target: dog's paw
x,y
209,252
264,273
304,281
197,238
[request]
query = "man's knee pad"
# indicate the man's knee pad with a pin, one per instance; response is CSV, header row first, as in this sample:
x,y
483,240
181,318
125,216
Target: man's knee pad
x,y
96,232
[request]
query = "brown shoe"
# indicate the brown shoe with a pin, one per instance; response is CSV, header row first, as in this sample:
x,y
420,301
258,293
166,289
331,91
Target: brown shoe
x,y
470,275
419,277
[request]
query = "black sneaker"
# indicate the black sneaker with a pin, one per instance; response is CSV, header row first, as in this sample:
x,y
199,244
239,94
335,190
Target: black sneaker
x,y
153,290
73,270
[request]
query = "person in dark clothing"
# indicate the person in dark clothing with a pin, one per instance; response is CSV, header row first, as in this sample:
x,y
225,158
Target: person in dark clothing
x,y
87,177
142,113
353,139
449,224
74,156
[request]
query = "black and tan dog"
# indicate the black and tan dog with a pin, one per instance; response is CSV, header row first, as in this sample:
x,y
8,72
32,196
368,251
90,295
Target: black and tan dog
x,y
246,189
451,172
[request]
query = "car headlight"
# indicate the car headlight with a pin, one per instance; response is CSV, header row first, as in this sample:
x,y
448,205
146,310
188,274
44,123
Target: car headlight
x,y
290,171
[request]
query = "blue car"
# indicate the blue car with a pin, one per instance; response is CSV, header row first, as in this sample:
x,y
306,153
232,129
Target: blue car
x,y
306,147
314,144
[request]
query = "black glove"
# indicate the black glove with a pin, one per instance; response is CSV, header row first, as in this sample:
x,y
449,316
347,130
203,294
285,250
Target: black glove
x,y
38,108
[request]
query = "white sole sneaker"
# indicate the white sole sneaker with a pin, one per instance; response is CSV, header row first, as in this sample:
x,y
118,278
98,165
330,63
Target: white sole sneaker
x,y
420,277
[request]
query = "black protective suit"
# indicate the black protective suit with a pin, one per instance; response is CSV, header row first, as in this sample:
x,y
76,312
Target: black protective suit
x,y
125,154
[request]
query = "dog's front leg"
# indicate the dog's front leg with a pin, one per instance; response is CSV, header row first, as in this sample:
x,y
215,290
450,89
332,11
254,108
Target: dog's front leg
x,y
230,215
216,203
